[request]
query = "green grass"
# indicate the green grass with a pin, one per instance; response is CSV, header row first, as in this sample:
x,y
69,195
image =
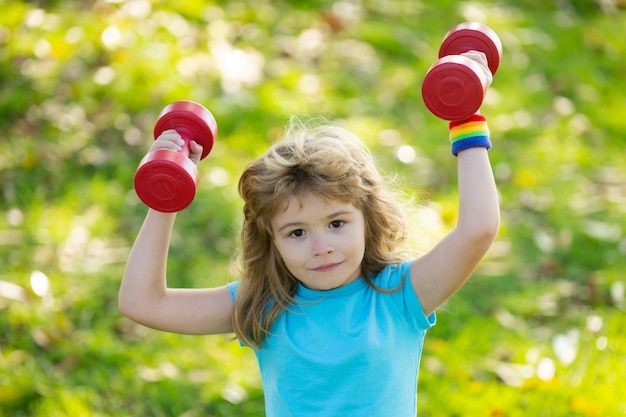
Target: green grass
x,y
71,138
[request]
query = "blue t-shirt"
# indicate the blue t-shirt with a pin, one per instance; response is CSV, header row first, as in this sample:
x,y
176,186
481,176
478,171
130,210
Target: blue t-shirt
x,y
350,351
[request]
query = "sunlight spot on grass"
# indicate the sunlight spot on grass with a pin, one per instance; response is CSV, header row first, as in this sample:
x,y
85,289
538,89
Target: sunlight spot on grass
x,y
195,65
514,374
169,370
434,365
104,75
563,106
111,37
138,9
234,393
133,136
473,12
359,56
218,177
12,291
219,29
389,137
617,292
73,117
536,37
15,217
428,226
150,374
310,84
348,12
40,283
42,49
165,370
566,346
602,230
174,23
492,98
11,237
310,41
406,154
544,241
546,369
516,120
508,320
579,124
602,342
594,323
548,303
238,68
33,68
35,18
74,35
533,355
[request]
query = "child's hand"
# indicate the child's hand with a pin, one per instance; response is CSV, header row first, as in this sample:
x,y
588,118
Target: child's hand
x,y
171,139
195,151
481,59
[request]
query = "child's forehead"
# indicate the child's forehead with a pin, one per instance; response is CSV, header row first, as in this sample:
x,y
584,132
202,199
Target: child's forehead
x,y
303,199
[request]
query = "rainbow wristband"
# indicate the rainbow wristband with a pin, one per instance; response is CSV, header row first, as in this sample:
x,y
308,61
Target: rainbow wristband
x,y
469,133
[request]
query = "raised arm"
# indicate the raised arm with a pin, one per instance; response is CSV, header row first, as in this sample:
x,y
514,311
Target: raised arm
x,y
444,269
144,296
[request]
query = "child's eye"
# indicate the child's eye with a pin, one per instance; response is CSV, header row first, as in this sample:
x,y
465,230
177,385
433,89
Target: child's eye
x,y
297,233
336,224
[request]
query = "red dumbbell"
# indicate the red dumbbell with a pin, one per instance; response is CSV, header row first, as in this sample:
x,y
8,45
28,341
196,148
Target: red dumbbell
x,y
167,180
455,86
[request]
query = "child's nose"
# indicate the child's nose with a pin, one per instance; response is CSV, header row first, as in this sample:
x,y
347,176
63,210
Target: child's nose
x,y
322,247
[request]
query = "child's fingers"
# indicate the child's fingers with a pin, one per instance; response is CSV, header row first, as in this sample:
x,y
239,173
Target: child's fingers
x,y
169,139
481,59
195,147
195,151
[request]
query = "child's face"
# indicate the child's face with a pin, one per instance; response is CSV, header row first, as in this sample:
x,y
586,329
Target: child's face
x,y
322,242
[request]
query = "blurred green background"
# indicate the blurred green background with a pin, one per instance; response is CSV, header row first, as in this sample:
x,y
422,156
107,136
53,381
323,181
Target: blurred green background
x,y
538,331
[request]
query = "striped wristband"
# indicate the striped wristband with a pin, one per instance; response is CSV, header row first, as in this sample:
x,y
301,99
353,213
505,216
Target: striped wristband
x,y
469,133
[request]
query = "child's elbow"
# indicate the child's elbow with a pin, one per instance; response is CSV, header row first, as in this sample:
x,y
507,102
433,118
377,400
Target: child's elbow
x,y
124,308
480,234
127,307
485,234
492,228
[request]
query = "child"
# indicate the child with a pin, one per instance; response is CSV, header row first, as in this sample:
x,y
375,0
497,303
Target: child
x,y
336,316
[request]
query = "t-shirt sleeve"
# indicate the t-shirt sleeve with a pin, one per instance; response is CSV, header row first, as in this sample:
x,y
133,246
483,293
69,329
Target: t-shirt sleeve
x,y
406,299
232,287
410,298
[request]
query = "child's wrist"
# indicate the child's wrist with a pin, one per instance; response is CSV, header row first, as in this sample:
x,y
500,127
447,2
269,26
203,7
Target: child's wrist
x,y
470,133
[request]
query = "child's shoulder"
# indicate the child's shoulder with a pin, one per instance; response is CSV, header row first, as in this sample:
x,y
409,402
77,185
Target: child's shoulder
x,y
393,275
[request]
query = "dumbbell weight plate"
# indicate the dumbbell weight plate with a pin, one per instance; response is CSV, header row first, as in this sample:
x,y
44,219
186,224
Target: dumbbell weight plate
x,y
166,180
454,88
474,36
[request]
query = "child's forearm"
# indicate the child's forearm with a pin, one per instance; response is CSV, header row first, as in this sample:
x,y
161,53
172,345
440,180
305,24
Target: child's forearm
x,y
144,281
479,212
